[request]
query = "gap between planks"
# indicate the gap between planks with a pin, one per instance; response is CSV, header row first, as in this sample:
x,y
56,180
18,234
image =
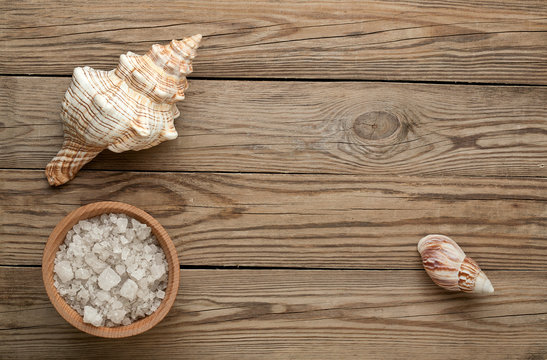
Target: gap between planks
x,y
275,268
314,80
214,172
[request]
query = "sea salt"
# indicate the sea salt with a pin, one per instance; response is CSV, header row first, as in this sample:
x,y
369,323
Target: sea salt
x,y
108,279
111,270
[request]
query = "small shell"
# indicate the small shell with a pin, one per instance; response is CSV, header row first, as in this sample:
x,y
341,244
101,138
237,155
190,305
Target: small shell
x,y
129,108
449,267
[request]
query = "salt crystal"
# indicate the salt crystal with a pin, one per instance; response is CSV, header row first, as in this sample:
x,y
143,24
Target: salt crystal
x,y
92,316
132,265
86,225
156,271
108,279
83,294
82,274
141,293
103,295
135,223
120,269
138,274
159,258
116,249
144,282
129,289
76,239
97,248
160,294
130,234
64,271
76,250
96,264
121,224
116,315
123,240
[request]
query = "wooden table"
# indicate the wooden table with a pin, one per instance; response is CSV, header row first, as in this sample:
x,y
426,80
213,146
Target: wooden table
x,y
319,141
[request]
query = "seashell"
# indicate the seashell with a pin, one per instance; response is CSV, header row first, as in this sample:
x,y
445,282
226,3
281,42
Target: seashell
x,y
449,267
131,107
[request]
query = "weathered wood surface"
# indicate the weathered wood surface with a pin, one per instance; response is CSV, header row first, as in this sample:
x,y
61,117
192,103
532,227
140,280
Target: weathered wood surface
x,y
324,221
281,314
340,176
435,40
305,127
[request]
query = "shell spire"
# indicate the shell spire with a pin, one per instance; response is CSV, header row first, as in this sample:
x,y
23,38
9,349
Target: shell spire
x,y
449,267
129,108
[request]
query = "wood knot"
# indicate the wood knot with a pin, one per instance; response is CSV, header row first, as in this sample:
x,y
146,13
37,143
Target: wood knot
x,y
376,125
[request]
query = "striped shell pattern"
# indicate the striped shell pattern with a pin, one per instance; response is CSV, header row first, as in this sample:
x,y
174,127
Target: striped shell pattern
x,y
129,108
449,267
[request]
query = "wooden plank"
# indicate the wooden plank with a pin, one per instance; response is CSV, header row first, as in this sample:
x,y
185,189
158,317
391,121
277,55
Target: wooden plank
x,y
275,220
249,314
434,40
307,127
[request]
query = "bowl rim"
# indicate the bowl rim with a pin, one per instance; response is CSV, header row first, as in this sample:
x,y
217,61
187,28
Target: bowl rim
x,y
57,237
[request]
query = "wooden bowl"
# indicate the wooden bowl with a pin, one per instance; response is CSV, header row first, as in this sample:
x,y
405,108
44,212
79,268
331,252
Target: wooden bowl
x,y
57,237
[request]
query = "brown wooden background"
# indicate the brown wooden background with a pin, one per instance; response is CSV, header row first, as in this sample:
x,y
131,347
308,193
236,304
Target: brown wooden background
x,y
319,141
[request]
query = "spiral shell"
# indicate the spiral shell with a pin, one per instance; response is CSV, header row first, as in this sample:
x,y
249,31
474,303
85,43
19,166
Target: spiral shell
x,y
129,108
449,267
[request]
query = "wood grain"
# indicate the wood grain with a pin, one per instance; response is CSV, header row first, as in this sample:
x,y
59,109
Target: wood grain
x,y
275,220
280,314
306,127
434,40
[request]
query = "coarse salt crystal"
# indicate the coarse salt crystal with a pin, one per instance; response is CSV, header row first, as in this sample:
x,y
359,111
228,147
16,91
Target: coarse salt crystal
x,y
138,274
86,226
116,304
129,289
116,315
64,271
96,264
121,224
82,274
123,240
108,279
92,316
157,271
103,295
120,269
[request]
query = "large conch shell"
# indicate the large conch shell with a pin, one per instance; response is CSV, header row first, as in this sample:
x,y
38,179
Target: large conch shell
x,y
449,267
129,108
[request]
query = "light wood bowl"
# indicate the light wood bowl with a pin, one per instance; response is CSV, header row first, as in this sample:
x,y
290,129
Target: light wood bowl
x,y
57,237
